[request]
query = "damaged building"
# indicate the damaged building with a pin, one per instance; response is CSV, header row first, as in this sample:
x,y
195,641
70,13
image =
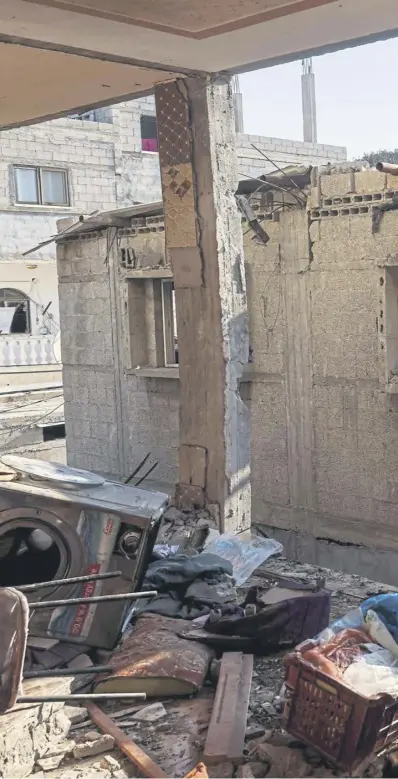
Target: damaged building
x,y
320,383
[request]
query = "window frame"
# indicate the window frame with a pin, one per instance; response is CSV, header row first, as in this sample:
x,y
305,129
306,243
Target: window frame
x,y
152,117
169,325
38,169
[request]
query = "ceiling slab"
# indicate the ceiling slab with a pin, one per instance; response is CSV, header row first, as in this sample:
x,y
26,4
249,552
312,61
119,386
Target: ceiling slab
x,y
196,19
214,36
41,84
328,26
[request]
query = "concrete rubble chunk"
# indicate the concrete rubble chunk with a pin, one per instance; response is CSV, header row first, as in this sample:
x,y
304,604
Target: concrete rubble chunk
x,y
244,772
151,713
61,724
109,763
284,761
75,714
91,735
92,748
252,770
254,731
221,771
81,661
51,762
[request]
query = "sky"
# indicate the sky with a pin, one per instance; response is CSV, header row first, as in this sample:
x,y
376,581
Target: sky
x,y
355,96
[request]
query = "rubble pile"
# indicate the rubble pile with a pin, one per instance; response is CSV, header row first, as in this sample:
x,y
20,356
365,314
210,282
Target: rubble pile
x,y
196,683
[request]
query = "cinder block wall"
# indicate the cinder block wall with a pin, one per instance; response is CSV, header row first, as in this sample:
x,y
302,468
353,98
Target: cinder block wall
x,y
324,326
138,174
89,375
253,151
322,387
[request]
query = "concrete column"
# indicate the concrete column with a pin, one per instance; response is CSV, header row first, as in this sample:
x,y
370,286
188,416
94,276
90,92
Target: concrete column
x,y
204,239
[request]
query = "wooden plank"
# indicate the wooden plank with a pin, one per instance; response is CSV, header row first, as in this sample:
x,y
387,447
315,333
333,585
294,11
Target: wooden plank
x,y
226,734
237,743
138,757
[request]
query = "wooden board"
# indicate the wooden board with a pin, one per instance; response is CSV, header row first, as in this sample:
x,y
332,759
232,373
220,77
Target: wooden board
x,y
226,734
142,761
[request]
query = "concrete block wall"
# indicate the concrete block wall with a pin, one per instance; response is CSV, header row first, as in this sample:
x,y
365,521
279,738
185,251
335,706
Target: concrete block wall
x,y
323,395
156,399
322,388
283,152
87,355
137,172
107,401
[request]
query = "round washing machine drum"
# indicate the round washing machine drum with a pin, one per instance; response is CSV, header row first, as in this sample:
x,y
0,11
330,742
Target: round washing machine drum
x,y
37,546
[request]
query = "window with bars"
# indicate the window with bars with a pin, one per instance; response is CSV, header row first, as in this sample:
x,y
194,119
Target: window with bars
x,y
41,186
149,133
14,312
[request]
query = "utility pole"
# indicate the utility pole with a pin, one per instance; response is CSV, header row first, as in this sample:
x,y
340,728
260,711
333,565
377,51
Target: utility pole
x,y
308,102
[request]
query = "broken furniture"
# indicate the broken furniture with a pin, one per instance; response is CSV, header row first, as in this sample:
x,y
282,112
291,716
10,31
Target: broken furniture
x,y
155,660
59,523
14,611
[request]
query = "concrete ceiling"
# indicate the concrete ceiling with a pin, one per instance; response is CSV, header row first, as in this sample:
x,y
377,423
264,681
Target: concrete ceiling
x,y
64,55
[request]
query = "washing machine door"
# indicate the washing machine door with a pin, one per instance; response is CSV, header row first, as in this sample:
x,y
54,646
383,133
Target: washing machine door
x,y
36,545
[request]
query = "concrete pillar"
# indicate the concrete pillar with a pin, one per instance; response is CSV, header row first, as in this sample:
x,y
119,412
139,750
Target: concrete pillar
x,y
204,239
310,134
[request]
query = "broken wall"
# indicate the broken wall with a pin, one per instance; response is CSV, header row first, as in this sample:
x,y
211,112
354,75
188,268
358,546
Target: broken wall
x,y
324,325
322,385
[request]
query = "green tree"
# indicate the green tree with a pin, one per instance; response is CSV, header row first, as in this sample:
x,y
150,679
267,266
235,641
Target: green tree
x,y
383,155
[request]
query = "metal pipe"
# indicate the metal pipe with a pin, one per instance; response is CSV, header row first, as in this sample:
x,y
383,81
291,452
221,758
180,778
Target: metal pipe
x,y
387,167
52,604
74,580
49,672
81,697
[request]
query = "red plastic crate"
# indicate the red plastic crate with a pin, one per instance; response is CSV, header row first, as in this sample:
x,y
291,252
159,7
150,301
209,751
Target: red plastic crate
x,y
339,723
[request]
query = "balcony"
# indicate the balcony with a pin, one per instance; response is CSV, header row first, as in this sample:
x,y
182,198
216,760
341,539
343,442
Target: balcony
x,y
23,350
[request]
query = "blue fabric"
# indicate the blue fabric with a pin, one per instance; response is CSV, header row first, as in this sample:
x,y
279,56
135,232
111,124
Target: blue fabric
x,y
386,607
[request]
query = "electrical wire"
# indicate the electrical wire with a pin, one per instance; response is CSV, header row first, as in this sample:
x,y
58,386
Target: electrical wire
x,y
27,427
31,403
273,186
286,175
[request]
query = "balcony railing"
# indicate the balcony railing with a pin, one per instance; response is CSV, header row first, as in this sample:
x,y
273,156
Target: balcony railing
x,y
26,350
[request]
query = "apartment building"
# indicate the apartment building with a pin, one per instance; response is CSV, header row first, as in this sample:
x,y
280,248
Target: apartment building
x,y
78,165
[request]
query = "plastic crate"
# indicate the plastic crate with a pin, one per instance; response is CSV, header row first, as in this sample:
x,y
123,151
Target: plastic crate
x,y
342,725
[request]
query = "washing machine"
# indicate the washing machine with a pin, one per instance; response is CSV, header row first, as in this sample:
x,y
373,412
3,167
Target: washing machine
x,y
58,522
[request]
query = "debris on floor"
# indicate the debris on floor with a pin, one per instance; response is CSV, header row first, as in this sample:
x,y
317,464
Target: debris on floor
x,y
218,657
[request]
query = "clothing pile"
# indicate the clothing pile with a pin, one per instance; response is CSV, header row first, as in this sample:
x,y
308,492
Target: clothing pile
x,y
200,589
189,587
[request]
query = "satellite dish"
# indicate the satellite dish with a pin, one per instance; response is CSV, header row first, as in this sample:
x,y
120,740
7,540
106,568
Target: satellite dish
x,y
52,472
57,348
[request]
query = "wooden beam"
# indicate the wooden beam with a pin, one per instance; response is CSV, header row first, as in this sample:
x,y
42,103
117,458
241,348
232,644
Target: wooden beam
x,y
226,735
138,757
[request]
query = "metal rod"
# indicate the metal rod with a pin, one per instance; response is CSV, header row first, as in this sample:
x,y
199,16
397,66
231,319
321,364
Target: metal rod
x,y
75,580
137,469
81,697
277,167
52,604
49,672
145,476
